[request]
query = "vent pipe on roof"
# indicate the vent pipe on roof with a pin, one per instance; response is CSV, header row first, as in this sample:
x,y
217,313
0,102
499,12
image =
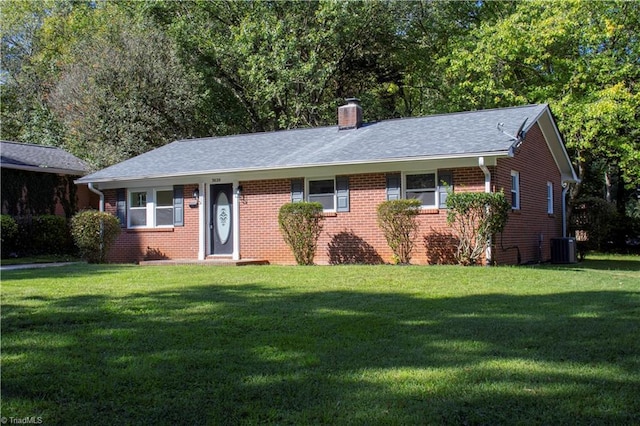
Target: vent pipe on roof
x,y
350,115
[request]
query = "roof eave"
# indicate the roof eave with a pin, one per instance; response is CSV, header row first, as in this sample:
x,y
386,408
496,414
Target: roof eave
x,y
502,153
40,169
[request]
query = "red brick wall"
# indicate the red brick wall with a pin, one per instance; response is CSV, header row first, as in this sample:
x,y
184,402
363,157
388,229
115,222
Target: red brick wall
x,y
134,245
352,237
259,233
530,228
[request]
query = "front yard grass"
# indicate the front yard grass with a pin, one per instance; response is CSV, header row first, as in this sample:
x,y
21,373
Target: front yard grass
x,y
104,345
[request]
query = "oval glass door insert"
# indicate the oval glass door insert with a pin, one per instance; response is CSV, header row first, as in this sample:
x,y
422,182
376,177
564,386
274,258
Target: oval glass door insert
x,y
223,217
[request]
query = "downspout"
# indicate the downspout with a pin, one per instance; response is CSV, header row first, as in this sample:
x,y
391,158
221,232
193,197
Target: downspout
x,y
487,189
565,189
95,191
101,207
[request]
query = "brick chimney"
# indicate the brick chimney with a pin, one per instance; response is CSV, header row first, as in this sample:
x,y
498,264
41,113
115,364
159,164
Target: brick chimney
x,y
350,115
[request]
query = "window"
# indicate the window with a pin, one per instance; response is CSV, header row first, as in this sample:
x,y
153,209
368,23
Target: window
x,y
423,187
332,193
151,208
164,208
515,190
550,197
138,208
323,191
445,181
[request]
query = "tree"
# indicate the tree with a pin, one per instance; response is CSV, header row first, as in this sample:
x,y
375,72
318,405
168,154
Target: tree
x,y
580,57
126,93
286,65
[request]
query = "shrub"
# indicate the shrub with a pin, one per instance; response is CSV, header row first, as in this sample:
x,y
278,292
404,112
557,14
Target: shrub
x,y
475,217
301,225
94,232
45,234
9,232
397,219
50,235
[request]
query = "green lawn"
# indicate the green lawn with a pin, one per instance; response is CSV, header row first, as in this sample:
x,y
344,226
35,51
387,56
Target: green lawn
x,y
106,345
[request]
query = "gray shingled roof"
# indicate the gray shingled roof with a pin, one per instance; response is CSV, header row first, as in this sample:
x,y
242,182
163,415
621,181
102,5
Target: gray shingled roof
x,y
457,134
47,159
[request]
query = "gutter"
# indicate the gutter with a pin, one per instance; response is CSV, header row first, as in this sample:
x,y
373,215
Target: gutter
x,y
95,191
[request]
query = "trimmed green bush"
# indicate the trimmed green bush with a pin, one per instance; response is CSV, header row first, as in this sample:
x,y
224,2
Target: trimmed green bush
x,y
94,233
475,217
301,225
397,219
9,232
45,234
50,235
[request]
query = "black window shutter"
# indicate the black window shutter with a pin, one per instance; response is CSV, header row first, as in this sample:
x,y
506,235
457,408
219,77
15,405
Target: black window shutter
x,y
445,181
297,190
121,206
394,187
342,193
178,205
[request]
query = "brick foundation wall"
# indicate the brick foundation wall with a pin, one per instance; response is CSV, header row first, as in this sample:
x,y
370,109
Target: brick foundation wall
x,y
134,245
530,229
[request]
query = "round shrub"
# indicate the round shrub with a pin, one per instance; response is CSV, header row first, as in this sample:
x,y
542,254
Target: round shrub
x,y
94,233
397,219
9,231
301,225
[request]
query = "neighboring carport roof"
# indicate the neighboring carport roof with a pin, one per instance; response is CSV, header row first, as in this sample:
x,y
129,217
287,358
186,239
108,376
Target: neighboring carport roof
x,y
40,158
463,134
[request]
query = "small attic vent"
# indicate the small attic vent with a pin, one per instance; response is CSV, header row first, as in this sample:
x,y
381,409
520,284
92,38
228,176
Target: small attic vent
x,y
350,115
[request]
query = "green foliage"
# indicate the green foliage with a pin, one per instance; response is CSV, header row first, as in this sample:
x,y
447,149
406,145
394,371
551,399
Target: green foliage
x,y
125,93
29,193
597,218
47,234
475,217
94,233
301,225
8,232
397,219
284,65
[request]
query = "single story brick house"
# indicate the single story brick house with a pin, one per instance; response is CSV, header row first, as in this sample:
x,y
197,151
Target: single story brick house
x,y
51,166
219,197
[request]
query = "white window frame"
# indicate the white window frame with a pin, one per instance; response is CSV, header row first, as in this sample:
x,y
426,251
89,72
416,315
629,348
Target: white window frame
x,y
434,189
310,195
549,197
156,207
151,207
515,190
130,207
